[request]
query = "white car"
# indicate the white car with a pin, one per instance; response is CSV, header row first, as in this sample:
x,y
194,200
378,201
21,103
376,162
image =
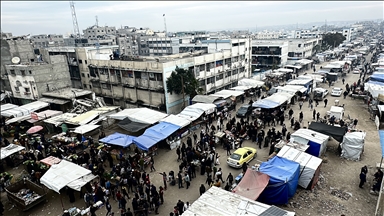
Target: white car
x,y
337,91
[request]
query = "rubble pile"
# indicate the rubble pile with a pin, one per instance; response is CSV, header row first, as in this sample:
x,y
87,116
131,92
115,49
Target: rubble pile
x,y
27,195
340,194
330,206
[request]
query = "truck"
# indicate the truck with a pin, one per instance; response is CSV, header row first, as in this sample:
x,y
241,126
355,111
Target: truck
x,y
25,204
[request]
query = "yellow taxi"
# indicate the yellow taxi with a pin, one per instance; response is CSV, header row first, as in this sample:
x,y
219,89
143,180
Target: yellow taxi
x,y
241,155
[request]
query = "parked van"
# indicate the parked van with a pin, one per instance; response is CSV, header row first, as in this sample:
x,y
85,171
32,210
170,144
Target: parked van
x,y
319,94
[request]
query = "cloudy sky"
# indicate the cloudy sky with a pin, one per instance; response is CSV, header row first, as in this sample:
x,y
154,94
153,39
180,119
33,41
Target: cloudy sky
x,y
55,16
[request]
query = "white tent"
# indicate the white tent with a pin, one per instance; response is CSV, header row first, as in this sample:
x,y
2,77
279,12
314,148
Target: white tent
x,y
317,141
141,115
353,145
280,97
83,129
10,150
219,202
309,165
336,111
60,175
7,106
250,83
176,120
225,93
60,119
291,89
194,111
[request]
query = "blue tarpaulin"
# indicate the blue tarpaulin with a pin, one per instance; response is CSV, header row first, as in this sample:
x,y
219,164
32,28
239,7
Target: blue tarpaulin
x,y
377,76
265,103
118,139
284,178
155,134
381,135
376,83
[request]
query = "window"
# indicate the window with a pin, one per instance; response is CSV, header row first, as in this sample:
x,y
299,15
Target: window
x,y
82,74
27,90
12,72
30,72
22,72
80,61
85,61
17,89
88,75
105,86
85,86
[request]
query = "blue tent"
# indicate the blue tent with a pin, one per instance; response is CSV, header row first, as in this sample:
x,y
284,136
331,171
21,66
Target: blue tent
x,y
381,135
284,177
265,103
155,134
118,139
377,76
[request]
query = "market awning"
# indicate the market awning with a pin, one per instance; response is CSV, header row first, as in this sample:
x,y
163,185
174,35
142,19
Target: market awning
x,y
252,184
83,129
205,99
9,150
155,134
54,100
131,126
7,106
60,119
265,103
50,160
35,117
118,139
336,132
179,121
60,175
142,115
381,135
80,182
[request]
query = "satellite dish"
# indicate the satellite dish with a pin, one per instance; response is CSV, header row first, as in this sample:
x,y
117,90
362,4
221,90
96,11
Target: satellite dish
x,y
15,60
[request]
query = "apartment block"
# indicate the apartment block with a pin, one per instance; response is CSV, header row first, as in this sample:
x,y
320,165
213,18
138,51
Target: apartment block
x,y
50,40
267,54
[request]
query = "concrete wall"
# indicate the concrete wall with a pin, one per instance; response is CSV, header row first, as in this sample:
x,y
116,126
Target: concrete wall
x,y
6,57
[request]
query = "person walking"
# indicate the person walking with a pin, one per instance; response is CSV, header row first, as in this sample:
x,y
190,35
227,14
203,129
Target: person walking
x,y
301,116
363,179
228,147
108,207
343,80
164,179
152,163
325,102
178,152
314,114
180,179
230,179
355,123
202,189
187,180
300,104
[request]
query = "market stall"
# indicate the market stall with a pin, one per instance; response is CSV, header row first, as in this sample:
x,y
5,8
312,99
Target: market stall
x,y
352,146
9,154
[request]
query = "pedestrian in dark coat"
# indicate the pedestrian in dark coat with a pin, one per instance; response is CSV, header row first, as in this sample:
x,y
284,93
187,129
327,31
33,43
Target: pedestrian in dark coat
x,y
363,179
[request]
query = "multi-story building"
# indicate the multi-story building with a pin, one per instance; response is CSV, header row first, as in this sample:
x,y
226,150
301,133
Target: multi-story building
x,y
267,54
301,48
268,35
349,34
30,80
77,59
142,81
102,35
11,47
5,35
51,40
299,34
161,46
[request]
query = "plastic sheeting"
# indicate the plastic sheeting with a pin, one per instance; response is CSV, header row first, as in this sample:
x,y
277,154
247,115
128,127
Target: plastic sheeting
x,y
336,132
252,184
377,76
80,182
60,175
155,134
309,165
176,120
317,141
284,178
381,135
194,111
118,139
83,129
9,150
273,101
7,106
353,145
141,115
250,83
128,125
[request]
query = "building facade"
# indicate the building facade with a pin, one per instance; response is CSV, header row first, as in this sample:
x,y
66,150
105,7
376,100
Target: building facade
x,y
102,35
268,54
302,48
51,40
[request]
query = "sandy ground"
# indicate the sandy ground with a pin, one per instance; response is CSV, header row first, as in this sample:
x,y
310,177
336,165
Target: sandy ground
x,y
338,176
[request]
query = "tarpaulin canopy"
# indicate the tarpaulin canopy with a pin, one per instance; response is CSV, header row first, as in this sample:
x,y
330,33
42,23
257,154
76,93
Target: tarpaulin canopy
x,y
44,115
265,103
60,119
155,134
309,165
128,125
194,111
80,182
252,184
377,76
336,132
7,106
352,145
60,175
284,177
179,121
50,160
381,135
273,101
25,109
83,129
9,150
317,141
205,98
250,83
118,139
141,115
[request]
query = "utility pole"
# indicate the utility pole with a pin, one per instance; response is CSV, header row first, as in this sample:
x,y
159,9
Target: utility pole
x,y
165,26
97,21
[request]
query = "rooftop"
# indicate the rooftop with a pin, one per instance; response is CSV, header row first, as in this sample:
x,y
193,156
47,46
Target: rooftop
x,y
67,93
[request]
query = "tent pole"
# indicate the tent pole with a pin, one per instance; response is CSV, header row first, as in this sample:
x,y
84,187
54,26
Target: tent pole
x,y
62,205
381,162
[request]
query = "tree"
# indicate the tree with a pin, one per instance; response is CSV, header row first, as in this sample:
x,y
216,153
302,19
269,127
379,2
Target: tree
x,y
333,39
181,78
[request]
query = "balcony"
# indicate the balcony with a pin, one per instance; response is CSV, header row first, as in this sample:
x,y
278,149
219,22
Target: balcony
x,y
266,53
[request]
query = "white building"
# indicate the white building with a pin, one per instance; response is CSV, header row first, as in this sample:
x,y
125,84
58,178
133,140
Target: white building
x,y
349,34
301,48
269,53
268,35
299,34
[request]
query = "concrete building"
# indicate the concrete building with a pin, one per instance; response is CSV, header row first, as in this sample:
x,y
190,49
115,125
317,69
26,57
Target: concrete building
x,y
302,34
30,80
301,48
267,54
5,35
103,35
142,81
20,47
51,40
264,35
77,60
349,34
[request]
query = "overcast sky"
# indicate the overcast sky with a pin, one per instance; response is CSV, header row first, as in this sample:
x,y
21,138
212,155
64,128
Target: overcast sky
x,y
54,17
